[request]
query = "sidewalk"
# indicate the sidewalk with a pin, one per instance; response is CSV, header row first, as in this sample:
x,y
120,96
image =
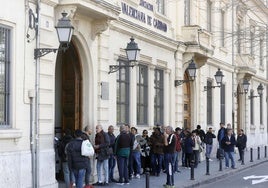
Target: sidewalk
x,y
182,180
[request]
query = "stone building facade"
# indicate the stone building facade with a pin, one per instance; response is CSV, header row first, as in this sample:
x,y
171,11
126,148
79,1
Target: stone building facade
x,y
74,88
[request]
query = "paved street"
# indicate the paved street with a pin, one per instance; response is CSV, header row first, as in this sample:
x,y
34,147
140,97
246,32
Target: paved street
x,y
256,177
182,180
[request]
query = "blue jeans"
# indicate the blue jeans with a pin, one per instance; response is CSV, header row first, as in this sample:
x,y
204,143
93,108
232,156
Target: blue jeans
x,y
136,161
68,175
156,162
176,161
208,150
103,164
111,167
88,172
122,164
79,177
229,155
168,158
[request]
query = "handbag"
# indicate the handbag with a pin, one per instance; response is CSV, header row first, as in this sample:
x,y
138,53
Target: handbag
x,y
87,149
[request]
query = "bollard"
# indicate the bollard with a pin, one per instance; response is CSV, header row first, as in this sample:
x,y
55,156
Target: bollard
x,y
265,151
192,170
251,155
220,164
207,162
259,157
147,184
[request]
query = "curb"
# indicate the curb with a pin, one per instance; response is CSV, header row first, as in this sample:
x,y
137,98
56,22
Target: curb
x,y
225,174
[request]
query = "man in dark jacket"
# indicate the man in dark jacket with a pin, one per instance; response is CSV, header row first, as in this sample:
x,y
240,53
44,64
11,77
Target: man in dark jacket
x,y
228,142
241,144
102,143
77,163
209,142
123,145
112,160
221,134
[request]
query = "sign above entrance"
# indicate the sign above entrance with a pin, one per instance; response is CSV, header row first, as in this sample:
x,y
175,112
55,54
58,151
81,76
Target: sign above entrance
x,y
142,16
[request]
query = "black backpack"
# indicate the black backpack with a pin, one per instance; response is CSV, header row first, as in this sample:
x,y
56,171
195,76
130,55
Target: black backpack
x,y
62,145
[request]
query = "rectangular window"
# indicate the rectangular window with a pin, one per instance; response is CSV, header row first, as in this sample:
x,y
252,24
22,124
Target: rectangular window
x,y
223,103
209,15
159,97
252,42
261,52
222,27
142,94
122,94
251,107
4,76
187,12
239,38
209,103
261,110
160,6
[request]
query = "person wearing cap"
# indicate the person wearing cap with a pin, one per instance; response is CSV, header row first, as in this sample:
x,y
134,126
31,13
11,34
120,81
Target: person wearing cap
x,y
76,162
209,142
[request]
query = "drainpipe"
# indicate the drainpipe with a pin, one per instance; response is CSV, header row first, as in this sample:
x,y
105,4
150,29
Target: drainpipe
x,y
31,95
233,73
37,92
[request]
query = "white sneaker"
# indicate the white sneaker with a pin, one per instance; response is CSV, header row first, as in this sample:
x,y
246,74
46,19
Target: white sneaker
x,y
210,160
138,176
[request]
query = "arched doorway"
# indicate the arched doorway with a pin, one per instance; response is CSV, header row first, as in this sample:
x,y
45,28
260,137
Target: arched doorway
x,y
68,95
186,103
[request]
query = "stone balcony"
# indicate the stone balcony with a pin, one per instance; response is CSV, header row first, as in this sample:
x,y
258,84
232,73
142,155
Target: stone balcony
x,y
198,42
245,65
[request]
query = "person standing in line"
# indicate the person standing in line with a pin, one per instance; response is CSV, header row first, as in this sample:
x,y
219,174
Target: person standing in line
x,y
145,153
86,136
169,149
112,161
136,154
221,134
188,144
209,142
177,154
196,148
101,144
76,162
123,145
228,143
130,162
241,144
68,175
157,153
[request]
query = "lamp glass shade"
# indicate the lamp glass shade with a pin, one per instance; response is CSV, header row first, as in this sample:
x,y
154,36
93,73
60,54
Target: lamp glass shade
x,y
64,29
192,69
260,89
218,77
132,50
245,85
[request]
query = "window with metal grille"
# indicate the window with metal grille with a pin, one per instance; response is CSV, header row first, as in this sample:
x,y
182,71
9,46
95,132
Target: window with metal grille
x,y
209,14
142,94
122,98
160,6
209,103
187,12
159,97
252,107
223,103
4,75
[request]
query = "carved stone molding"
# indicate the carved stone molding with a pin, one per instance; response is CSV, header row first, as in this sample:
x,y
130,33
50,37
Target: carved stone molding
x,y
98,27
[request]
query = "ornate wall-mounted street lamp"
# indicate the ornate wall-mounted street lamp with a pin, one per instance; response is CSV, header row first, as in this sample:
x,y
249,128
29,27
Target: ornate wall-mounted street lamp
x,y
245,86
259,90
133,56
64,31
191,70
218,77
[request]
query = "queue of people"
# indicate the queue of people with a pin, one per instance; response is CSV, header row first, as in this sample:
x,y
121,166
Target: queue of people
x,y
136,154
